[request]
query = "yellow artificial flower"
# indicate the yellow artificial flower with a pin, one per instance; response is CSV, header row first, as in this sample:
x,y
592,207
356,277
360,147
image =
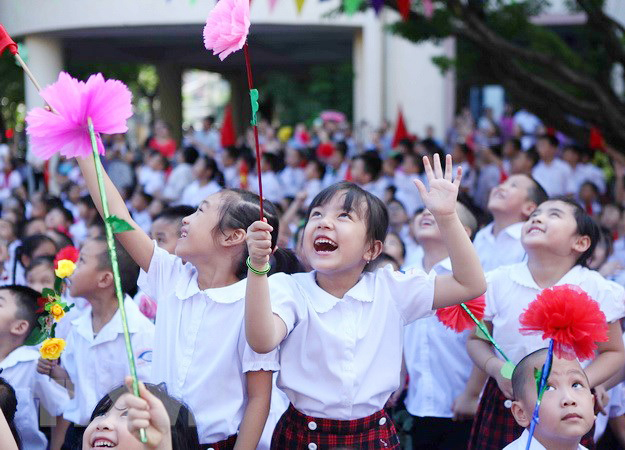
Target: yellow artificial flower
x,y
52,348
57,311
65,268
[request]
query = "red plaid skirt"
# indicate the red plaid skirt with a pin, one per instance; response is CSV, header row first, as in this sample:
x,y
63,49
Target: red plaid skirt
x,y
298,431
494,426
226,444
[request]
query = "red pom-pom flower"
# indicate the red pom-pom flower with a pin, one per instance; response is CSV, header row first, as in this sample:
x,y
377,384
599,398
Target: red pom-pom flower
x,y
456,318
69,252
570,317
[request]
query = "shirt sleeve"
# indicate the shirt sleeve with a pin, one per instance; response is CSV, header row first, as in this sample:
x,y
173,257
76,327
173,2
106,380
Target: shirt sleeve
x,y
160,273
53,396
611,299
412,291
491,306
283,292
253,362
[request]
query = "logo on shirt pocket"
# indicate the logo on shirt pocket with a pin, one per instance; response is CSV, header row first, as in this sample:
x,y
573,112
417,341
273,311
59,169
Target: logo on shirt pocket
x,y
145,357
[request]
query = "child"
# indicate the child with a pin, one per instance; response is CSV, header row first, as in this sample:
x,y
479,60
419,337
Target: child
x,y
272,188
95,356
292,176
208,180
411,168
180,175
139,203
510,203
8,406
436,357
340,330
365,171
151,176
314,172
31,248
559,237
18,364
567,407
40,273
86,215
337,166
167,225
200,350
553,174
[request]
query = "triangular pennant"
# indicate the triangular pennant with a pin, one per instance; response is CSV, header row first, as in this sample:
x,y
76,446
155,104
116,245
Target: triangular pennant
x,y
404,8
400,130
377,5
351,6
300,5
228,135
272,5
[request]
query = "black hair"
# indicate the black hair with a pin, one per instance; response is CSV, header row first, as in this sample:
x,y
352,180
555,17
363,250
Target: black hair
x,y
128,268
190,154
382,260
67,214
147,197
184,435
586,226
211,164
536,193
28,248
8,405
60,238
319,166
341,147
175,213
233,152
553,141
26,302
372,163
532,155
516,143
238,210
375,214
40,261
272,161
87,201
401,241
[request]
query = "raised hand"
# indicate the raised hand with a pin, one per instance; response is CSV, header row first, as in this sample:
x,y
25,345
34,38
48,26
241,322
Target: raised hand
x,y
443,193
259,243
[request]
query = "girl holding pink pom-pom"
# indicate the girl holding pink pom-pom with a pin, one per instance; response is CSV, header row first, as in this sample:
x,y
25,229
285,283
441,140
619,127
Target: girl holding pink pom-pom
x,y
559,237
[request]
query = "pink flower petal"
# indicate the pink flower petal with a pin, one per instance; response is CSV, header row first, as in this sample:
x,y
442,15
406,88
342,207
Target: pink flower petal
x,y
227,27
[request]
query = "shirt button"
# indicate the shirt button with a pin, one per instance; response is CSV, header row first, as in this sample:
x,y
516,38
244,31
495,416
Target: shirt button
x,y
313,427
312,445
382,421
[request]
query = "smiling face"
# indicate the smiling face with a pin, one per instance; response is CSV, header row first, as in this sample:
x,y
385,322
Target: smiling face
x,y
196,234
110,430
552,226
335,239
425,227
512,196
166,234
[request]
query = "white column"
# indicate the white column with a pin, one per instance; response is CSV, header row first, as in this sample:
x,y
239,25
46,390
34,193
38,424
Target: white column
x,y
368,72
44,57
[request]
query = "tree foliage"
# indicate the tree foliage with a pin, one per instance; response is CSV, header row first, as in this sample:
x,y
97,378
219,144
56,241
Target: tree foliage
x,y
567,82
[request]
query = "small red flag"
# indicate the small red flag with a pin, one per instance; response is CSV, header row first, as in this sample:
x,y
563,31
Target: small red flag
x,y
6,42
400,130
595,140
404,8
228,135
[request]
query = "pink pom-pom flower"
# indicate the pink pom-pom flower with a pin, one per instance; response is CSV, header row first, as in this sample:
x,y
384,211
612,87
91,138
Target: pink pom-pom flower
x,y
64,129
570,317
456,318
227,27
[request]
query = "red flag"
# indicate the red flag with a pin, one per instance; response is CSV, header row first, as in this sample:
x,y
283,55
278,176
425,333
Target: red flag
x,y
404,8
595,140
6,42
400,130
228,135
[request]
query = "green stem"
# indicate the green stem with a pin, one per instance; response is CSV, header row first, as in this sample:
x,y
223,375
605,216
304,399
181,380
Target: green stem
x,y
484,330
110,240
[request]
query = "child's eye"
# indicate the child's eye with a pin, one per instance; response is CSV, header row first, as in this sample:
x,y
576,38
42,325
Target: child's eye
x,y
344,214
315,214
549,388
577,385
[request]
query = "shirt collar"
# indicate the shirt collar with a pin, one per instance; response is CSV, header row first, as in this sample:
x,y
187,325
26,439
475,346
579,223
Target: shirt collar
x,y
514,230
84,324
523,276
323,302
187,287
20,354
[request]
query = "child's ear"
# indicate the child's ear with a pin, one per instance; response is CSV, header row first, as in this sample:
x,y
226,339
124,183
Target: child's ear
x,y
19,327
374,251
105,279
233,237
528,208
582,243
522,417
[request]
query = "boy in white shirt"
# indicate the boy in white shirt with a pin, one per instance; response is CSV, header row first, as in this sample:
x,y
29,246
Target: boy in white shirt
x,y
510,203
436,357
567,408
95,356
18,317
552,173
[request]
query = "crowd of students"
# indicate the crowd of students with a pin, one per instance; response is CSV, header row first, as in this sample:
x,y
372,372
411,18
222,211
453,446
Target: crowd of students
x,y
313,328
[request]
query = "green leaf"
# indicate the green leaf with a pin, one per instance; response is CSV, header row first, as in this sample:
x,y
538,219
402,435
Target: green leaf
x,y
36,337
118,225
507,369
254,102
47,292
351,6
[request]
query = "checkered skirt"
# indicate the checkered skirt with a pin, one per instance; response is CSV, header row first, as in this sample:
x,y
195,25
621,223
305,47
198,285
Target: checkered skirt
x,y
494,426
298,431
226,444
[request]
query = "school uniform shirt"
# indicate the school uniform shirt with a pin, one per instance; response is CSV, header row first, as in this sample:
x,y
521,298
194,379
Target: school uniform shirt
x,y
97,363
32,390
341,357
200,350
586,172
501,250
333,175
553,177
152,181
512,288
176,182
293,179
437,362
193,194
272,188
407,192
521,443
614,408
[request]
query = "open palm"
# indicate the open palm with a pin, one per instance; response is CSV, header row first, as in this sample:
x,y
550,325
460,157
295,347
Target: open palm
x,y
443,194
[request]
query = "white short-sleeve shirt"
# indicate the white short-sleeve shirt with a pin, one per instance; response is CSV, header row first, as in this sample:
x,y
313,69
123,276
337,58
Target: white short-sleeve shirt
x,y
97,364
512,288
32,390
503,249
200,350
341,358
521,443
553,177
437,362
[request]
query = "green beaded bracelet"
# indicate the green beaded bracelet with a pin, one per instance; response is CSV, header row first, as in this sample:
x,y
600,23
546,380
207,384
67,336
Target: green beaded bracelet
x,y
264,271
